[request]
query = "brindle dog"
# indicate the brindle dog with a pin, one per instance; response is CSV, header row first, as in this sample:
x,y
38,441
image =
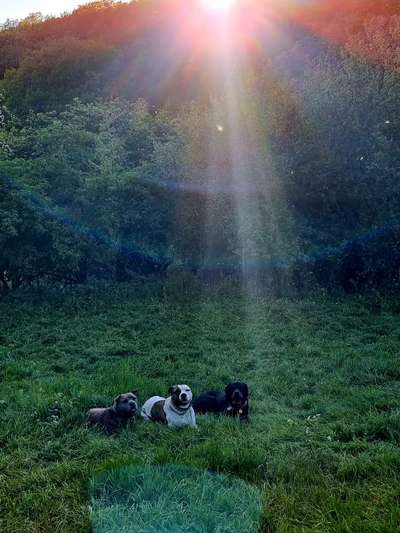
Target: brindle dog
x,y
110,419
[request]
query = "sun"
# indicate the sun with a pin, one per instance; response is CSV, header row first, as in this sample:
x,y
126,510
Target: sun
x,y
221,6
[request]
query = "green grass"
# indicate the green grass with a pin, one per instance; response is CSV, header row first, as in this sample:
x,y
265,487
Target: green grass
x,y
324,374
172,499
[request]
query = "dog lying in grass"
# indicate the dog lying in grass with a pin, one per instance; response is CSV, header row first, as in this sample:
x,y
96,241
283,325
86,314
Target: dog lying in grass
x,y
234,401
110,419
174,411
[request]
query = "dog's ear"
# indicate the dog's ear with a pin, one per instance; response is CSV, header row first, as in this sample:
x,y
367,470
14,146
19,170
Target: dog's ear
x,y
135,392
228,390
171,390
117,399
246,389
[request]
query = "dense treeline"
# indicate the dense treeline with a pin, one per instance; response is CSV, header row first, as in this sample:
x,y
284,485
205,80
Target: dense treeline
x,y
284,167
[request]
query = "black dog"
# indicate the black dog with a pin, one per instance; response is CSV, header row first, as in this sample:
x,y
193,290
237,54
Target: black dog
x,y
233,402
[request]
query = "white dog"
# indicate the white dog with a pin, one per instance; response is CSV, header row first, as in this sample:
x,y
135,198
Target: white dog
x,y
175,411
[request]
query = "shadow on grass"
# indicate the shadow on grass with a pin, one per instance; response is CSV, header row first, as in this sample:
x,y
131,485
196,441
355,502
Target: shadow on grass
x,y
173,499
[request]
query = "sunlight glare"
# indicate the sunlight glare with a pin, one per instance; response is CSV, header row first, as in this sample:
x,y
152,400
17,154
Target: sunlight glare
x,y
218,5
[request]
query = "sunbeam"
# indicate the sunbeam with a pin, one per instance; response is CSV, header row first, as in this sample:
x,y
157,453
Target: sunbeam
x,y
218,5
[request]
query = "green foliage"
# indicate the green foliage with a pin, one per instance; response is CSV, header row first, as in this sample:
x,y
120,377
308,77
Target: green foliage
x,y
285,166
79,191
50,77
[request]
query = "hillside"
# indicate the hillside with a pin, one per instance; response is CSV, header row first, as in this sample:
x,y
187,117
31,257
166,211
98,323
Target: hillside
x,y
131,140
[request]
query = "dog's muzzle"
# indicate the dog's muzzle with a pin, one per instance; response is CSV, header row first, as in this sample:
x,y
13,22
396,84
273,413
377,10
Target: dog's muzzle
x,y
133,406
185,399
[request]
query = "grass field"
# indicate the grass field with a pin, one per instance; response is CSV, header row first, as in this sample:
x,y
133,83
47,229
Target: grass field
x,y
324,375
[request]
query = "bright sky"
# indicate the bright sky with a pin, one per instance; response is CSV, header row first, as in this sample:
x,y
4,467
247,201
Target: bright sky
x,y
18,9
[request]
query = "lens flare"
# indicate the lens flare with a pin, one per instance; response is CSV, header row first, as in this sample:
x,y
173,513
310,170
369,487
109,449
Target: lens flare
x,y
218,5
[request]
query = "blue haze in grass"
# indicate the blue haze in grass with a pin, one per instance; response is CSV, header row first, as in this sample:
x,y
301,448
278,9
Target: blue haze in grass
x,y
172,499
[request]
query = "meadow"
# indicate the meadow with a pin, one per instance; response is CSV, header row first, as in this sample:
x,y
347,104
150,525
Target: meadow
x,y
322,446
